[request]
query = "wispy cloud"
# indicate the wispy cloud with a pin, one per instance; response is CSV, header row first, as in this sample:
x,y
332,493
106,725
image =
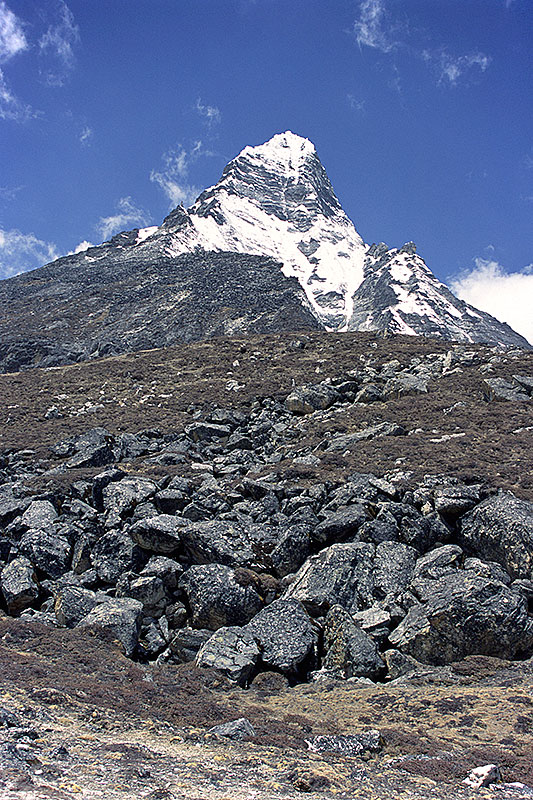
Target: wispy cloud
x,y
376,28
127,216
210,114
12,38
450,69
372,27
173,177
20,252
80,248
508,296
11,107
356,104
56,47
86,135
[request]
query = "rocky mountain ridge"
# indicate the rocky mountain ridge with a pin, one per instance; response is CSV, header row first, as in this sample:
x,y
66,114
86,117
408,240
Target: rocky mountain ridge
x,y
268,248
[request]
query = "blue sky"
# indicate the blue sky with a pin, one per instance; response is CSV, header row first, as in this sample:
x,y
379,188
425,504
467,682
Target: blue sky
x,y
113,111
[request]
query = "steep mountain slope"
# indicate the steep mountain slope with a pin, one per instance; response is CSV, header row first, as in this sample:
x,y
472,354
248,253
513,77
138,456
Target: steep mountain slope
x,y
268,248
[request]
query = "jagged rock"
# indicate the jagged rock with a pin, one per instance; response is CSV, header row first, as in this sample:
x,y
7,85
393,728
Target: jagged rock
x,y
216,598
121,616
47,549
73,603
187,642
483,776
341,525
500,389
159,534
405,383
202,431
19,585
238,729
92,449
99,483
339,575
120,497
291,551
148,590
525,382
233,651
285,634
421,532
217,541
349,744
487,569
465,614
167,570
438,563
394,565
501,529
344,441
349,650
11,506
369,393
39,515
115,553
455,500
306,399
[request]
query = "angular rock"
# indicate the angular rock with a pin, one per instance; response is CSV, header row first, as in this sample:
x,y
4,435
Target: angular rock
x,y
121,616
394,566
19,585
501,529
114,553
159,534
500,389
216,598
349,744
285,634
341,525
291,551
238,729
73,603
465,614
164,568
233,651
345,441
217,541
47,549
306,399
148,590
339,575
40,514
120,497
350,652
187,642
202,431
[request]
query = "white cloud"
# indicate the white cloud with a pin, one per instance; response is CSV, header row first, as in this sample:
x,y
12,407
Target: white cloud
x,y
86,135
11,107
371,28
450,69
172,179
20,252
508,296
211,114
12,38
127,216
57,47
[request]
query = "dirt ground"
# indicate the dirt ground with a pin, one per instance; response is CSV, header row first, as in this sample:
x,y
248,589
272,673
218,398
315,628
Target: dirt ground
x,y
93,724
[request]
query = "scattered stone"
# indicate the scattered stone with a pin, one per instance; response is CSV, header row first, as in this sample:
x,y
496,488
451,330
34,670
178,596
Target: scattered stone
x,y
348,745
239,730
483,776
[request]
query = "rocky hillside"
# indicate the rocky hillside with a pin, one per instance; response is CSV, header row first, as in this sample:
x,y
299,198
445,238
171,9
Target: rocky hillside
x,y
316,528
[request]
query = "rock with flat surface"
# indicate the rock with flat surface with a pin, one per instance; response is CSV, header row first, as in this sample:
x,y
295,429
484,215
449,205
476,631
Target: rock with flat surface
x,y
285,635
19,585
350,652
216,598
120,616
159,534
233,651
501,529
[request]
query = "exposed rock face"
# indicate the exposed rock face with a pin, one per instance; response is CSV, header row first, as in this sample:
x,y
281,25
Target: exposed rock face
x,y
268,248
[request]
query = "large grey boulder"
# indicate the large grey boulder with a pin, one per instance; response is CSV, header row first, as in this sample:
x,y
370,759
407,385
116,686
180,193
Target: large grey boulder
x,y
233,651
115,553
465,614
306,399
73,603
291,551
187,642
217,541
394,565
501,529
216,598
121,497
341,574
47,549
202,431
19,585
341,525
350,652
40,514
120,616
159,534
166,569
285,634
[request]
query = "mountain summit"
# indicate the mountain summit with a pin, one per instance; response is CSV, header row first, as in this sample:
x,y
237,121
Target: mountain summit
x,y
265,249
